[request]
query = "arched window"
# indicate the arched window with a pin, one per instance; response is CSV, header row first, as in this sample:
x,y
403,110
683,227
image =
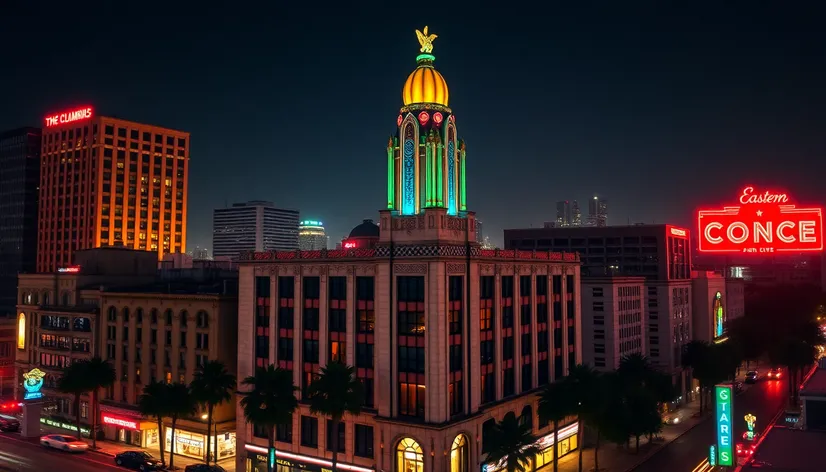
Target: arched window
x,y
154,316
65,299
112,314
526,418
459,455
487,432
21,331
168,316
184,315
125,315
139,316
46,298
409,456
34,298
202,319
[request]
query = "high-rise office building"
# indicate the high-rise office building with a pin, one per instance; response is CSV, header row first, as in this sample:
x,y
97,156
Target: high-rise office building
x,y
19,180
253,226
597,212
480,236
311,236
106,181
567,214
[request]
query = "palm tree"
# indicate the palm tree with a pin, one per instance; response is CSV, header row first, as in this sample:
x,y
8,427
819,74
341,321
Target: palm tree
x,y
698,356
555,405
513,443
270,401
99,374
73,382
333,393
153,403
180,402
581,382
212,385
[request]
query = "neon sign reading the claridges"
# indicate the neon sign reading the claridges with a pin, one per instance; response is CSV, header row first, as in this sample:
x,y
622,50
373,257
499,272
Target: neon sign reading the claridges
x,y
69,116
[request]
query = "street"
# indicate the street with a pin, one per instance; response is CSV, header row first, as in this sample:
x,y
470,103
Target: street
x,y
763,399
19,454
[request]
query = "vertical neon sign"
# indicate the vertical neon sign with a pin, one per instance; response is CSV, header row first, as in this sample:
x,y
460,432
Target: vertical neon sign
x,y
725,429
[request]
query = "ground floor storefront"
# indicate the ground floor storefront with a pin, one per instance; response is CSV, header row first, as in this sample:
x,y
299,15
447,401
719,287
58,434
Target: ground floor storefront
x,y
190,438
568,443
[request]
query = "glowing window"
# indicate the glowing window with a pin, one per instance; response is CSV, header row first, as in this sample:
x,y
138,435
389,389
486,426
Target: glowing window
x,y
409,456
459,455
21,331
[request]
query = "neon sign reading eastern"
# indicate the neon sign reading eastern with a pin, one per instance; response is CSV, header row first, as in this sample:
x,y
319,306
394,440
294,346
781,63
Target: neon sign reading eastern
x,y
33,383
764,222
69,116
725,429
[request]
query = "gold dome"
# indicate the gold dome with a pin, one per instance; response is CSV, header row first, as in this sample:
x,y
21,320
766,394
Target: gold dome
x,y
425,84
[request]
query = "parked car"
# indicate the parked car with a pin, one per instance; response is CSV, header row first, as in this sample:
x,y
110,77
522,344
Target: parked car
x,y
63,442
9,423
204,468
774,373
140,460
751,377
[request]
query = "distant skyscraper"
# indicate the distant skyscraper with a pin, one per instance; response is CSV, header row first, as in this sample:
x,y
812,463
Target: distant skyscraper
x,y
576,214
480,237
597,212
253,226
311,236
19,182
568,214
200,253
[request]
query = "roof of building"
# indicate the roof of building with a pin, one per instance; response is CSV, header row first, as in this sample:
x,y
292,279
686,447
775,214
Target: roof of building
x,y
367,229
228,287
816,384
784,450
409,251
613,279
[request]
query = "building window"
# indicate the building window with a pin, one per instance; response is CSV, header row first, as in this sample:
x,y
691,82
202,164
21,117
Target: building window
x,y
309,431
411,306
286,320
363,444
409,456
365,324
456,392
284,432
337,318
487,344
460,454
411,362
508,344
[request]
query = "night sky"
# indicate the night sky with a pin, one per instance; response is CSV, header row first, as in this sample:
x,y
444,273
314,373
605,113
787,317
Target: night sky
x,y
657,109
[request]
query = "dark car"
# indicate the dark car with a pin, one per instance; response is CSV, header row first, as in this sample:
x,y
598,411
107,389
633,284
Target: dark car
x,y
751,376
139,460
9,423
774,374
204,468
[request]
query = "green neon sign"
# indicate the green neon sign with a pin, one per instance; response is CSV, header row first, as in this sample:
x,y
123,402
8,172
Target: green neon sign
x,y
725,428
712,456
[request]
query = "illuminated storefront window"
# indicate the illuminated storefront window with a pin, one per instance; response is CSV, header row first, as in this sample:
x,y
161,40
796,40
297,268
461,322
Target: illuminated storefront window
x,y
409,456
21,331
186,443
567,443
459,455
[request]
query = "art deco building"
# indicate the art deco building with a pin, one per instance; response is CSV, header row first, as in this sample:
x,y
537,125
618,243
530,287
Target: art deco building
x,y
106,181
447,338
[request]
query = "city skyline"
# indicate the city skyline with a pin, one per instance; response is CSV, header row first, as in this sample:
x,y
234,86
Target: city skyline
x,y
581,117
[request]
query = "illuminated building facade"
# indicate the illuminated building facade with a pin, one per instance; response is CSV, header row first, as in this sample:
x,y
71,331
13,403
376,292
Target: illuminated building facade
x,y
113,304
447,338
311,236
253,226
597,212
710,305
19,180
105,182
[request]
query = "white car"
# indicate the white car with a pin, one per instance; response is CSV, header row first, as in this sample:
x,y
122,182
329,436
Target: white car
x,y
63,442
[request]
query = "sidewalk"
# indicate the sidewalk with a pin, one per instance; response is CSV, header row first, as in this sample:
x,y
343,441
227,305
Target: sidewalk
x,y
110,448
613,458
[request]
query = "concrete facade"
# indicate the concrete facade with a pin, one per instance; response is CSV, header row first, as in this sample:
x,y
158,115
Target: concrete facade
x,y
710,309
613,320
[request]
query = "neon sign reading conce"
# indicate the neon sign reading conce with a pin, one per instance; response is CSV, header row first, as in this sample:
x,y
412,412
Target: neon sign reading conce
x,y
69,116
764,222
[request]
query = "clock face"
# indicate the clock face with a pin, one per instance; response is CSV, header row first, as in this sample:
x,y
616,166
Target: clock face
x,y
424,117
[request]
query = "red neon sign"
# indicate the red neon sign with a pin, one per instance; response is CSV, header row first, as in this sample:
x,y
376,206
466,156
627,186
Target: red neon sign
x,y
69,270
69,116
120,422
349,245
678,232
764,222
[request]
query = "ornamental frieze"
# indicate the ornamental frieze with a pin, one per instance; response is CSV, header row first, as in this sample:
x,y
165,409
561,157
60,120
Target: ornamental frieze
x,y
410,268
